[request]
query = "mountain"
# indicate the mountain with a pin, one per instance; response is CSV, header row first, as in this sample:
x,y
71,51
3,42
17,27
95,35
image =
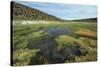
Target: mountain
x,y
22,12
87,20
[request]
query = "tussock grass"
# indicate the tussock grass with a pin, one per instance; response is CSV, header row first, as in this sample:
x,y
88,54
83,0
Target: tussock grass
x,y
86,33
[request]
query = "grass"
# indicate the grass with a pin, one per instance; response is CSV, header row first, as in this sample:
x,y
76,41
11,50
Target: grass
x,y
86,33
27,36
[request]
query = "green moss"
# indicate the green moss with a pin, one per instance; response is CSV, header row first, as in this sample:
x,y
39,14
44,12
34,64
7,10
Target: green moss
x,y
23,56
64,40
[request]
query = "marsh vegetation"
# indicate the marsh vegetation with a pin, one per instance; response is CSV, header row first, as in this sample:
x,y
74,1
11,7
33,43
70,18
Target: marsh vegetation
x,y
54,42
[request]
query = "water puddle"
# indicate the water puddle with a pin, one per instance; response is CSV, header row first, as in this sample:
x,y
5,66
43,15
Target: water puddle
x,y
58,31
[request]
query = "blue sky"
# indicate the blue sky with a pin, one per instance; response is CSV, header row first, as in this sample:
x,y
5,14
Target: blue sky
x,y
64,11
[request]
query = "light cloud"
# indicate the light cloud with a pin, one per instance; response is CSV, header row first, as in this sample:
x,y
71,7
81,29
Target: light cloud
x,y
64,11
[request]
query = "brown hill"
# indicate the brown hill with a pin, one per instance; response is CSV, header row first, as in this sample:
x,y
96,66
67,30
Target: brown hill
x,y
22,12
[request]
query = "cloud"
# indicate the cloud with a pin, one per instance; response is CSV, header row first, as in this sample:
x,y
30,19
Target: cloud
x,y
64,11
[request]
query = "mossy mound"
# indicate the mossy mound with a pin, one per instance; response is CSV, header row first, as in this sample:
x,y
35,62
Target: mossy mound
x,y
23,56
88,42
68,41
65,40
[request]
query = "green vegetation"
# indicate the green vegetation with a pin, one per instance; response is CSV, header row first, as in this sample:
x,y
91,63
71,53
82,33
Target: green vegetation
x,y
23,56
33,44
40,38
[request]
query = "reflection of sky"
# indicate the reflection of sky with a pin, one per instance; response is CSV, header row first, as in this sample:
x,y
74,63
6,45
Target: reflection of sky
x,y
64,11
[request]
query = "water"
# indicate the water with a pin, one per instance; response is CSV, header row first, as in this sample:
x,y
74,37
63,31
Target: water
x,y
58,31
48,46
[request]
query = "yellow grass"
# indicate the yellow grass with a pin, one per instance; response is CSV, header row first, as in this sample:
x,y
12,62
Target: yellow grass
x,y
86,32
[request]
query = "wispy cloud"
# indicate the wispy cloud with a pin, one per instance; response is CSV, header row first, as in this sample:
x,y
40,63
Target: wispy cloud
x,y
64,11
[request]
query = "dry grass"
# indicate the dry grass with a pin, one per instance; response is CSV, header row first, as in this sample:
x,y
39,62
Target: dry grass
x,y
86,33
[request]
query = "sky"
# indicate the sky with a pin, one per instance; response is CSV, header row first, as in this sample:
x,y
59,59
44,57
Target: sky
x,y
64,11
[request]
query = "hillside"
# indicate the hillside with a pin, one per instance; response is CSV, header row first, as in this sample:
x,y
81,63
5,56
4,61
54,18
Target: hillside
x,y
87,20
22,12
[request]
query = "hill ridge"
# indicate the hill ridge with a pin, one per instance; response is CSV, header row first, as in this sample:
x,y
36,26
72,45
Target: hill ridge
x,y
23,12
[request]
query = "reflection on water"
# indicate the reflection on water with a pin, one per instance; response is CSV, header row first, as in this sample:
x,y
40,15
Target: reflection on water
x,y
58,31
